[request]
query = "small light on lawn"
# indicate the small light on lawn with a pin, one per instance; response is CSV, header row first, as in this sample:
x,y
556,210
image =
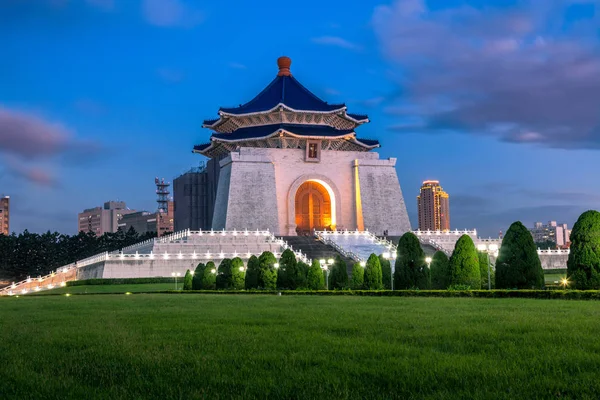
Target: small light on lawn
x,y
68,294
127,293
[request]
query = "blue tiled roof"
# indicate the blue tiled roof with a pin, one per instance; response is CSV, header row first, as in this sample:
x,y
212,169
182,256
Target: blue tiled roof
x,y
368,142
266,130
358,117
286,90
200,147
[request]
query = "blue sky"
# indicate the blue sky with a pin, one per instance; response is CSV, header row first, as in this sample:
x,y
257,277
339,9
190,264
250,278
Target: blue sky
x,y
500,101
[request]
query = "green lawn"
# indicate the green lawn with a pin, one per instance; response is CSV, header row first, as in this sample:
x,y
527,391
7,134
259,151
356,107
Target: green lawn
x,y
169,346
552,278
132,288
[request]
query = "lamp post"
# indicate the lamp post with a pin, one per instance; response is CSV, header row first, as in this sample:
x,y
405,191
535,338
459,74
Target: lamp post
x,y
428,261
488,249
175,275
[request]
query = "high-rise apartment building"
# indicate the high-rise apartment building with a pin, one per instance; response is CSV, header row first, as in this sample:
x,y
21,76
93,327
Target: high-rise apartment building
x,y
434,207
101,220
5,215
559,234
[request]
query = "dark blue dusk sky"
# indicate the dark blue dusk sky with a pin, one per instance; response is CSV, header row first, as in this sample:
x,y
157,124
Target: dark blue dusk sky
x,y
499,100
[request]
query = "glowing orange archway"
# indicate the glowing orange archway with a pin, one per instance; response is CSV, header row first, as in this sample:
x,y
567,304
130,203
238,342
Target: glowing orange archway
x,y
313,207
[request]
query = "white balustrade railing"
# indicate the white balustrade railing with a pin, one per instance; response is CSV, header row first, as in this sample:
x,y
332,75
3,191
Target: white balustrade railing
x,y
455,232
553,252
363,240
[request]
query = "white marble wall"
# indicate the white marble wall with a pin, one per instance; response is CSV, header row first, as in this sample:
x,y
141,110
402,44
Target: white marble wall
x,y
262,183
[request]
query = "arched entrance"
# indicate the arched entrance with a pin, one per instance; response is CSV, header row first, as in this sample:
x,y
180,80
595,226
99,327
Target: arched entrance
x,y
313,207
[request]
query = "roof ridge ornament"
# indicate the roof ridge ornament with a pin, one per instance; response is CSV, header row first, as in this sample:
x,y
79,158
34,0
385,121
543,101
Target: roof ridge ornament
x,y
284,63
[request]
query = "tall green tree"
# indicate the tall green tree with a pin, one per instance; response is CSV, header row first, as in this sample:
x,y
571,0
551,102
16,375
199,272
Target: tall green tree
x,y
373,279
267,274
358,277
315,279
411,269
252,272
198,275
238,273
441,277
224,275
338,277
386,272
464,264
187,280
518,265
583,266
209,277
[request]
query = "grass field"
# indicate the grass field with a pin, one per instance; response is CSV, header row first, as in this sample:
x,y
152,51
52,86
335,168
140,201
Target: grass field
x,y
219,346
132,288
552,278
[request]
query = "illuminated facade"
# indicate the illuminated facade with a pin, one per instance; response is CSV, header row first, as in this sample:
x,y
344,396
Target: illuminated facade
x,y
5,215
434,207
292,163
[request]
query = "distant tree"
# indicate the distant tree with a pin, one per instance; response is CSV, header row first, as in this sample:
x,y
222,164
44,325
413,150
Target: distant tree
x,y
209,277
252,272
267,276
518,265
411,269
373,280
338,277
198,275
358,277
440,271
315,279
583,266
237,273
386,272
187,280
464,264
224,274
286,274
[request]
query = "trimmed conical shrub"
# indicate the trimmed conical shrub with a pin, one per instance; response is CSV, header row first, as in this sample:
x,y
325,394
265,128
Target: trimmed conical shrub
x,y
518,265
187,280
338,276
373,279
411,269
209,277
358,277
224,274
252,271
440,271
237,273
315,279
267,276
386,272
198,274
583,266
464,264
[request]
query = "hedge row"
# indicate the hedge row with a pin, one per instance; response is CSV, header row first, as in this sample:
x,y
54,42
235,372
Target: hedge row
x,y
499,294
119,281
556,271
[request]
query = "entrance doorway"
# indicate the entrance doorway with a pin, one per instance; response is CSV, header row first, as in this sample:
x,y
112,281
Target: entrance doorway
x,y
313,207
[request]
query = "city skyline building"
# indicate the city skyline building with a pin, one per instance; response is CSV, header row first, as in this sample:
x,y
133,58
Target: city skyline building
x,y
194,194
433,207
5,215
101,220
559,234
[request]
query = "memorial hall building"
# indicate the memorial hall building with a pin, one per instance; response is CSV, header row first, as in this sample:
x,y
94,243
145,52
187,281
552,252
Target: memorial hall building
x,y
292,163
